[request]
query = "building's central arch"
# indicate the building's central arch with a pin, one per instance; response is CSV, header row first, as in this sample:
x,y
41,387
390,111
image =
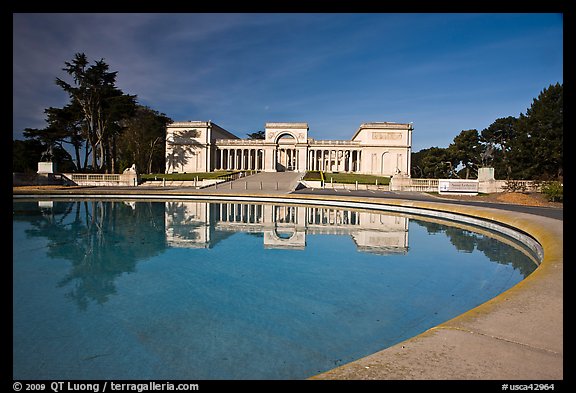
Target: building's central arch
x,y
289,142
286,153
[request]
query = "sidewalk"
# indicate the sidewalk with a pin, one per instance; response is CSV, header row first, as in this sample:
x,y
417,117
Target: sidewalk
x,y
266,182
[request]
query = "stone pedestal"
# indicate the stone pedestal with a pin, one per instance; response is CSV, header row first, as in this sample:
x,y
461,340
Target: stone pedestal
x,y
486,181
46,167
486,174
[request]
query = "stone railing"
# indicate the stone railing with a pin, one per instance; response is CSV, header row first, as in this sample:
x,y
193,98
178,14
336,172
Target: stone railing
x,y
402,183
197,184
241,142
103,179
343,186
332,143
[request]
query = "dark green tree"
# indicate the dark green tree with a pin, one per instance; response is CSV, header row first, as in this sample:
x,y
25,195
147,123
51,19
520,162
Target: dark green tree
x,y
465,150
434,162
142,141
257,135
65,128
103,107
537,151
26,154
498,138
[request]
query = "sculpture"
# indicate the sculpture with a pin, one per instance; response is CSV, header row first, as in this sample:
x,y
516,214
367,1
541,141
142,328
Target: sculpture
x,y
132,169
487,155
48,154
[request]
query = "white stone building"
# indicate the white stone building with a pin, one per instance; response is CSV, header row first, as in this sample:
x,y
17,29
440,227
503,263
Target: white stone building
x,y
381,148
201,225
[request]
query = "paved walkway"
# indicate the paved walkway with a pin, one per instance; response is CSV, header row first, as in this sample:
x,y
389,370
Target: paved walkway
x,y
264,182
552,212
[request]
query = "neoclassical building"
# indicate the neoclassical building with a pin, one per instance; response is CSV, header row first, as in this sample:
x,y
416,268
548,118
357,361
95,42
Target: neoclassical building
x,y
203,225
381,148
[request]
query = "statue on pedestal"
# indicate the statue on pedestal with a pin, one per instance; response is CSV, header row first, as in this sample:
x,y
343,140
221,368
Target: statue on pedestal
x,y
48,154
487,156
132,169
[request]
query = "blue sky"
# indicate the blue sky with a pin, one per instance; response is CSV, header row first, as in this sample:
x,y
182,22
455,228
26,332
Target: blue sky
x,y
443,72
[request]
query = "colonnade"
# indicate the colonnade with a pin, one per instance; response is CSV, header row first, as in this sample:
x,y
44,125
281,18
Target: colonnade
x,y
281,158
239,212
334,160
254,213
288,158
325,216
240,159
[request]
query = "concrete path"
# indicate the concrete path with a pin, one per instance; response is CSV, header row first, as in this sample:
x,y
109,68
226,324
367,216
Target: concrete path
x,y
264,182
552,212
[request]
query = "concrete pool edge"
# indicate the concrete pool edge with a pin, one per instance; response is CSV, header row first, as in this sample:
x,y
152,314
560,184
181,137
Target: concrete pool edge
x,y
517,335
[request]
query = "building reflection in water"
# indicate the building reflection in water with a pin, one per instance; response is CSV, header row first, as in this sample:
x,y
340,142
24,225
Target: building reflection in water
x,y
203,224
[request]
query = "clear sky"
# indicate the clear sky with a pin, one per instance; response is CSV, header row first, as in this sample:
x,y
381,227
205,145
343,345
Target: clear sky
x,y
443,72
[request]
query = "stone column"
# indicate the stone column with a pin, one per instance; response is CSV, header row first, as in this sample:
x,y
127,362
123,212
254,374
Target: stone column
x,y
335,159
349,160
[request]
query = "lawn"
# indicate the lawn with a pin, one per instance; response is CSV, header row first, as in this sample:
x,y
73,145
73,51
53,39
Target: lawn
x,y
348,178
187,176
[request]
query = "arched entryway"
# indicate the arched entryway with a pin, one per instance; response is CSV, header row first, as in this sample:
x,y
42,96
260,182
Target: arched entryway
x,y
286,153
383,164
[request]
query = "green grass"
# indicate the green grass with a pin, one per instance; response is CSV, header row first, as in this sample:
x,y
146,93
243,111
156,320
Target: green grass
x,y
313,175
187,176
348,178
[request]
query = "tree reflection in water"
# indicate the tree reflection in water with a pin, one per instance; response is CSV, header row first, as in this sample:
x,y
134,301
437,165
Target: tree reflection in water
x,y
101,239
493,249
105,239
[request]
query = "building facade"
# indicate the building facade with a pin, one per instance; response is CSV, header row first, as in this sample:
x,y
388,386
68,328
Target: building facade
x,y
203,225
380,148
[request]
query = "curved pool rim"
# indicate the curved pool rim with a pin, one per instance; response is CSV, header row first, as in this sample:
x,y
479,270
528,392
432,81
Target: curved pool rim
x,y
515,335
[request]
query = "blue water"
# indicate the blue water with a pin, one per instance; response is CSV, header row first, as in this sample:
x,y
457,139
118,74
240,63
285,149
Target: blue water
x,y
154,290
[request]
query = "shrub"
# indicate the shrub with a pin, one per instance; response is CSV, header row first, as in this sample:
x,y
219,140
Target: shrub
x,y
514,186
553,190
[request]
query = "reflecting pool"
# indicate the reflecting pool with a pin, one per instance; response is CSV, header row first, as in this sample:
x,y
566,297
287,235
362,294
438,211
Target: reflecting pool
x,y
197,290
